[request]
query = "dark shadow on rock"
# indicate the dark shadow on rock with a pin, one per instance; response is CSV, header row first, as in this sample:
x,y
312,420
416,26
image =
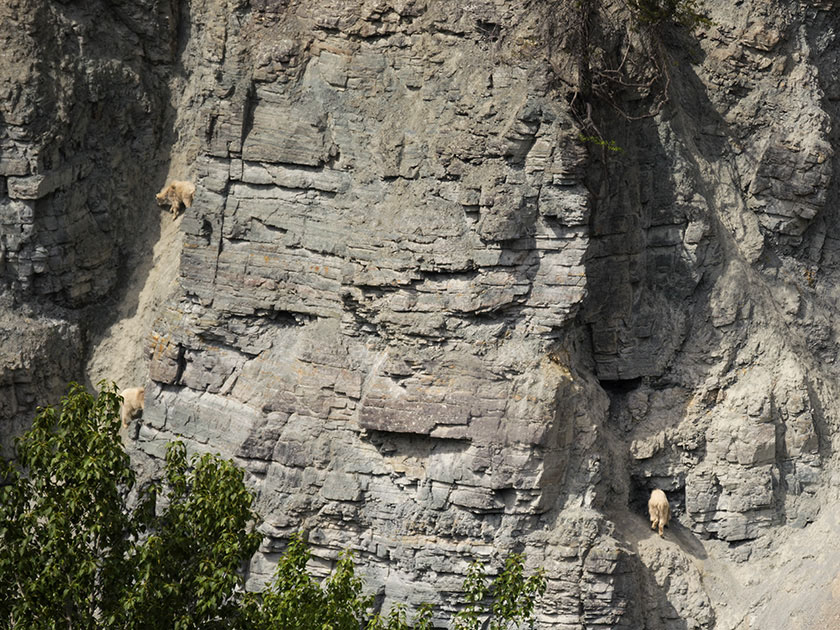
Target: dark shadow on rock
x,y
639,581
647,604
686,539
651,305
94,145
141,162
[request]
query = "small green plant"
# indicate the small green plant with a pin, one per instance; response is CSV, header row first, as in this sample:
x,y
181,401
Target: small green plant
x,y
687,13
609,145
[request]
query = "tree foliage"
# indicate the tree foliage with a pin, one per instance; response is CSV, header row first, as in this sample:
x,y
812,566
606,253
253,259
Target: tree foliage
x,y
80,548
512,597
64,533
74,554
295,601
189,567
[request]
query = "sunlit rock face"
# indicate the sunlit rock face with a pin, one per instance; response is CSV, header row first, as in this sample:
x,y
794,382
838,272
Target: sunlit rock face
x,y
455,284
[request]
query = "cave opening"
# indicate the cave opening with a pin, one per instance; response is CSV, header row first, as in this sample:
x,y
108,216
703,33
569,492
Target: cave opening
x,y
620,386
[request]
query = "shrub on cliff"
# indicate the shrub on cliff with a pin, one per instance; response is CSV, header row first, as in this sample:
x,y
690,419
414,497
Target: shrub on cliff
x,y
688,13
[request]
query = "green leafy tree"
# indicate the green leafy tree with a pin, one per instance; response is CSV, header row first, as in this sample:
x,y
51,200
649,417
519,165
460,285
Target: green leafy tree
x,y
188,569
397,619
512,597
65,535
295,601
74,554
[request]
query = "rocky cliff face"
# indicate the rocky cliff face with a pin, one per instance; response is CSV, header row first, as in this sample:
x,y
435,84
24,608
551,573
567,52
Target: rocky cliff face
x,y
423,303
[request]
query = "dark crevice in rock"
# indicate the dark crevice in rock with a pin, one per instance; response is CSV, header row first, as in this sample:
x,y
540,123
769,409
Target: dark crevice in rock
x,y
181,364
206,231
621,386
267,226
250,101
822,427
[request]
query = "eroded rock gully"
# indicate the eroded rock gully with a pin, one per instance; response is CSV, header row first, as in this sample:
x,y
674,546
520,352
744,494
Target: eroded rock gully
x,y
430,315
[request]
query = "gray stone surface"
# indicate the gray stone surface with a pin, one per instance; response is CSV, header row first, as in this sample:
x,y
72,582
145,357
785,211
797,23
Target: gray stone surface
x,y
39,354
78,136
429,315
